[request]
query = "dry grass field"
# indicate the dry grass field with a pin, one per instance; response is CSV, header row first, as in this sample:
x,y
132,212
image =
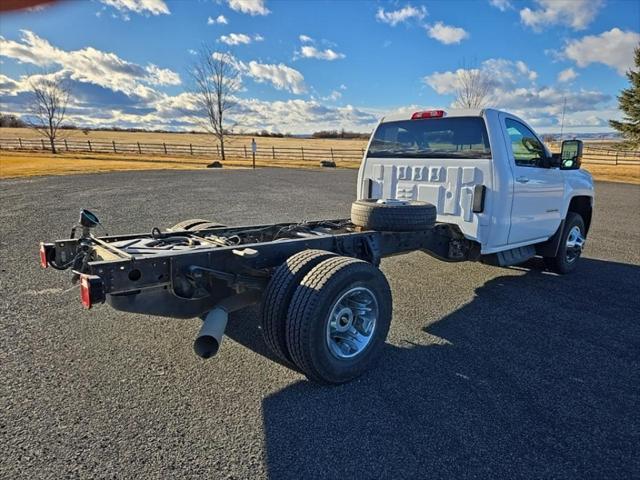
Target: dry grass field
x,y
27,164
615,173
20,164
186,138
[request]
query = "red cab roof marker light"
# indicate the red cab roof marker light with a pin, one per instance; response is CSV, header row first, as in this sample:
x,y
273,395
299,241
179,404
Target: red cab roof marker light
x,y
428,114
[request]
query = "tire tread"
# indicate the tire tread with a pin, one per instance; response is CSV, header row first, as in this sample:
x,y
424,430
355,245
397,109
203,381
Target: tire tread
x,y
413,216
277,296
304,305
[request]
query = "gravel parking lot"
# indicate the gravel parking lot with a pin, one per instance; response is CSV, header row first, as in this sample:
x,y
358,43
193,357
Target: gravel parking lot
x,y
488,372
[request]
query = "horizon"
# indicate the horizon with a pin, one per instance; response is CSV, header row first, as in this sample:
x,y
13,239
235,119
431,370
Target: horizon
x,y
321,65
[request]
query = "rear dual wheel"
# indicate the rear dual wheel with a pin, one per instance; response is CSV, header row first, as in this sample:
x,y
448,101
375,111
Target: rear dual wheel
x,y
337,319
277,296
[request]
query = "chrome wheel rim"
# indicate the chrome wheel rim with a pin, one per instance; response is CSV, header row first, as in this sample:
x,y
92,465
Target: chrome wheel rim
x,y
575,244
352,323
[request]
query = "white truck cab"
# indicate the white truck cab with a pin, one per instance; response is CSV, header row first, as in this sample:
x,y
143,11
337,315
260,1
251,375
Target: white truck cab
x,y
488,173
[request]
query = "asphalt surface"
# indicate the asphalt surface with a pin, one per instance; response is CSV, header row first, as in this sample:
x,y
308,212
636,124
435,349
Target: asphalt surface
x,y
488,372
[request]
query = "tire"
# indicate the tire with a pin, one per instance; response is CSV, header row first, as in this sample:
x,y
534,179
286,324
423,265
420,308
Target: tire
x,y
192,225
400,217
567,258
277,297
309,328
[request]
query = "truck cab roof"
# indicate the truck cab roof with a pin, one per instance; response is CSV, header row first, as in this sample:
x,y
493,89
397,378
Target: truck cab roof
x,y
455,112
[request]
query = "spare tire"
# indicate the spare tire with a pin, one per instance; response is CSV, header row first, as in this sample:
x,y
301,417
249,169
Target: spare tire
x,y
393,215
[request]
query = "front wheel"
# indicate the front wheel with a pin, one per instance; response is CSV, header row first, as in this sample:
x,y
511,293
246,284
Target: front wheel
x,y
338,320
571,245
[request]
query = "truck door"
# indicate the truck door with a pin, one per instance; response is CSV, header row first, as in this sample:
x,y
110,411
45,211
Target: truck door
x,y
537,190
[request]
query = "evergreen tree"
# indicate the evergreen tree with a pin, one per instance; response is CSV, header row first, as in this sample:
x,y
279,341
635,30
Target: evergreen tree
x,y
629,102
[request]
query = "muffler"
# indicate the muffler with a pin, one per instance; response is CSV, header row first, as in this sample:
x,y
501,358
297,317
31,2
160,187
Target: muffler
x,y
209,339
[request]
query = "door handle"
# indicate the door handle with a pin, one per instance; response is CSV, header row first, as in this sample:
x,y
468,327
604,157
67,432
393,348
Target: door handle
x,y
522,180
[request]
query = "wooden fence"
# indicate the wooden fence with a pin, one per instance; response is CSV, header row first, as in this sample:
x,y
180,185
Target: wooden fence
x,y
274,153
608,156
592,154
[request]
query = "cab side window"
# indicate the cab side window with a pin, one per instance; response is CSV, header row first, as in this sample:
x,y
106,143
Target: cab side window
x,y
527,149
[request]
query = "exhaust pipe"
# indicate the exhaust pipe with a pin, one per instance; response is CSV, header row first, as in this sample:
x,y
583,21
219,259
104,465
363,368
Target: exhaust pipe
x,y
208,341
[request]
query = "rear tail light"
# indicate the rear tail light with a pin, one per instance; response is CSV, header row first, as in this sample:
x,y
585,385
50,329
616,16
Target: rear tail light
x,y
91,290
428,114
44,263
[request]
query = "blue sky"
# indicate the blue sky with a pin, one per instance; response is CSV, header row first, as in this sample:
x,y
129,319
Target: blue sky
x,y
310,65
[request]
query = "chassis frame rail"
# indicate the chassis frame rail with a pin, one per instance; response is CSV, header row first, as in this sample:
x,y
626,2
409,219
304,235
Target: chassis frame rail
x,y
187,283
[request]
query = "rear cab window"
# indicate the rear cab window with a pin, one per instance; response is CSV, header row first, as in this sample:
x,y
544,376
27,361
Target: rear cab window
x,y
448,137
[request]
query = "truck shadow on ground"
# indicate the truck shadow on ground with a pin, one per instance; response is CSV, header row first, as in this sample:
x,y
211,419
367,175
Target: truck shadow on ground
x,y
536,377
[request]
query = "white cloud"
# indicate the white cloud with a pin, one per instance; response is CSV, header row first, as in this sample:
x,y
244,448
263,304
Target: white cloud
x,y
540,106
514,89
446,34
549,100
613,48
89,65
9,86
444,82
304,116
567,75
308,51
153,7
595,120
508,73
577,14
503,74
252,7
162,76
219,20
280,76
343,86
406,13
250,114
502,5
305,39
258,38
333,96
235,39
109,91
524,69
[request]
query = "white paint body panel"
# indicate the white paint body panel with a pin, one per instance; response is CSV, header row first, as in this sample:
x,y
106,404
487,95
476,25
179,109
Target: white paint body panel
x,y
515,213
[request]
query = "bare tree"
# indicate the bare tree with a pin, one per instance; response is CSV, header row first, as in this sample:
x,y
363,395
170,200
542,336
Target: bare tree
x,y
474,88
216,80
50,99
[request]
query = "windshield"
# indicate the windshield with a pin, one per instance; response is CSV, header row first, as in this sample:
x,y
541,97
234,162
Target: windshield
x,y
454,137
